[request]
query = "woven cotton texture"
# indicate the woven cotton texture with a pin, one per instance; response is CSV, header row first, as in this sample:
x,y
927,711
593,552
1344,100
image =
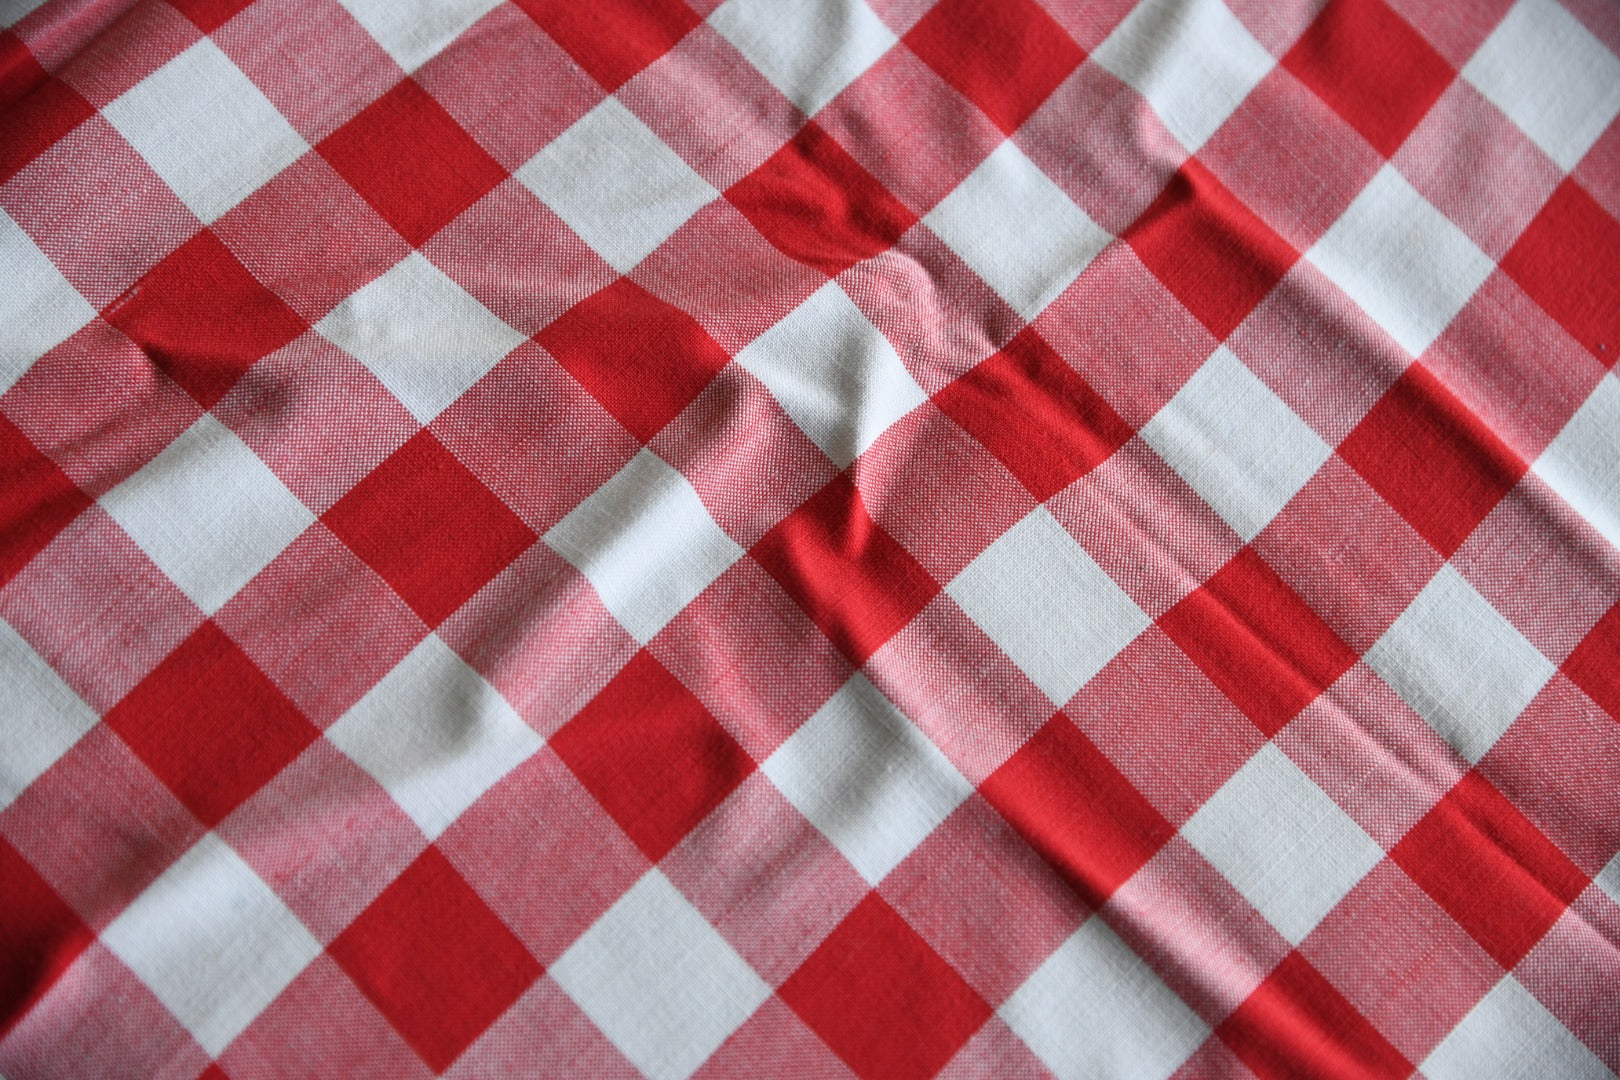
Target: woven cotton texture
x,y
809,538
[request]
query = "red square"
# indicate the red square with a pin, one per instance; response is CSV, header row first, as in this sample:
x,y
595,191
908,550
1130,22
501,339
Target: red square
x,y
37,500
1490,868
1568,260
1377,72
1210,250
1258,641
35,109
20,73
435,960
40,937
1006,56
641,358
613,39
203,318
412,162
1036,414
1432,458
1594,665
1073,806
651,754
819,205
428,527
853,579
1296,1024
211,725
882,998
209,15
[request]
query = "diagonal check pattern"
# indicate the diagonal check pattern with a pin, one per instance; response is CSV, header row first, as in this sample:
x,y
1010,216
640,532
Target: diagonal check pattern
x,y
822,538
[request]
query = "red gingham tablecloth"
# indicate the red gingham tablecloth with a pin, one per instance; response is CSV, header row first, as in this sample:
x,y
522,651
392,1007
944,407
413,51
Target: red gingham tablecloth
x,y
809,538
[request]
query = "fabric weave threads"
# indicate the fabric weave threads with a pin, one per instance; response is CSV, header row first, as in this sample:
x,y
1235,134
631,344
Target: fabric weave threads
x,y
879,538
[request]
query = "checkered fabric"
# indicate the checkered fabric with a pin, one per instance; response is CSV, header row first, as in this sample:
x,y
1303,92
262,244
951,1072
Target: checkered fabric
x,y
809,538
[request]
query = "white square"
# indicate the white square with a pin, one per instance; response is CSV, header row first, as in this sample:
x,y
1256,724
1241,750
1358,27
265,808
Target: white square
x,y
414,31
646,543
1608,879
435,735
1282,842
1401,260
659,981
616,184
1044,600
1510,1035
834,373
212,942
39,308
1192,59
1459,664
863,774
1017,230
808,49
1583,463
1236,443
424,337
1551,77
1094,1009
12,11
40,715
208,512
206,130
